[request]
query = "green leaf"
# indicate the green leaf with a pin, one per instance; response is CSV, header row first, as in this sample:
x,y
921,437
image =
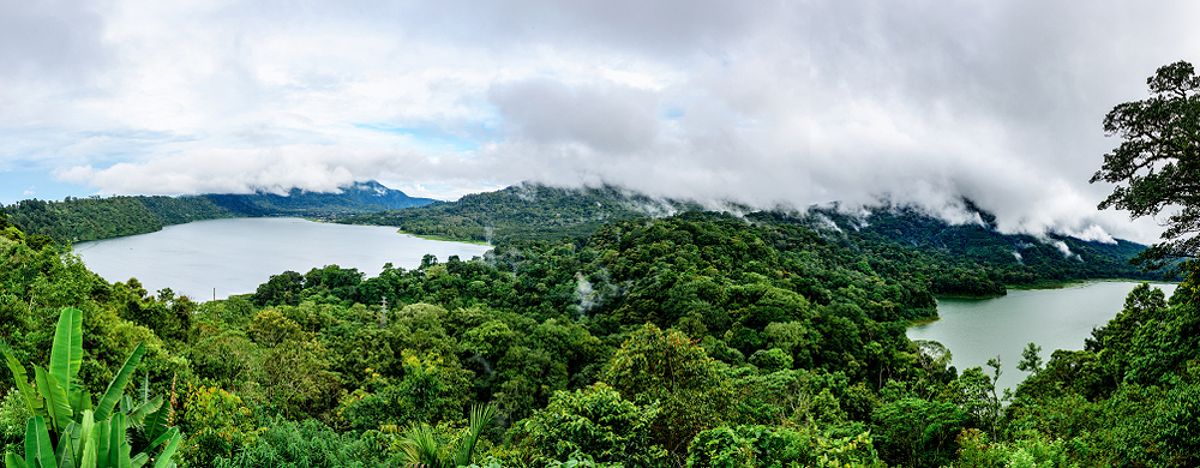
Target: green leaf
x,y
31,442
117,442
156,423
66,356
481,416
87,440
164,458
103,442
81,400
165,436
32,402
123,448
139,460
116,388
145,387
55,395
137,415
12,460
45,451
66,456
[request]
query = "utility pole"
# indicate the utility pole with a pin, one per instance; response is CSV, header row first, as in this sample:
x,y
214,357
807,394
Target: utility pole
x,y
383,312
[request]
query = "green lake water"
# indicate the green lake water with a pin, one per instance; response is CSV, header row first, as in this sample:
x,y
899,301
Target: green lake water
x,y
976,330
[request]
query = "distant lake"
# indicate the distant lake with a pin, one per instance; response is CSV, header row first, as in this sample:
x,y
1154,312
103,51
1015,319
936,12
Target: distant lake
x,y
978,330
236,255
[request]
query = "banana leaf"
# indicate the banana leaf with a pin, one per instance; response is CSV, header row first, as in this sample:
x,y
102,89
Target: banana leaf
x,y
116,388
12,460
55,395
43,450
32,402
66,355
164,458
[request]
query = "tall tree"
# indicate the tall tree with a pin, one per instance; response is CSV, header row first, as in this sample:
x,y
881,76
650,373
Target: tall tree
x,y
1157,165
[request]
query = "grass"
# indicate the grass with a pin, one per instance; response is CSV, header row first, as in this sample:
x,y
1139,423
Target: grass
x,y
437,237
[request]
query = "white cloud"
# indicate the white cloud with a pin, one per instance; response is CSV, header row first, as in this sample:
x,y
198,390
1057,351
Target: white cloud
x,y
763,102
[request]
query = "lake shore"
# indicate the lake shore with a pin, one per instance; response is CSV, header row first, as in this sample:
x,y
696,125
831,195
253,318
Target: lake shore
x,y
1063,317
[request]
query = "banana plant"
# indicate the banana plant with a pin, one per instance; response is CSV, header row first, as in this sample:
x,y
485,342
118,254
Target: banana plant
x,y
88,435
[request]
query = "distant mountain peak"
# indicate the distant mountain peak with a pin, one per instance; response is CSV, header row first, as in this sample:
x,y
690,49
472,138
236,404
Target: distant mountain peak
x,y
373,186
353,198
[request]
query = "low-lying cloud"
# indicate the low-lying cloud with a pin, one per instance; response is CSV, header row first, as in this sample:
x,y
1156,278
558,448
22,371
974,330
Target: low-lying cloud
x,y
764,103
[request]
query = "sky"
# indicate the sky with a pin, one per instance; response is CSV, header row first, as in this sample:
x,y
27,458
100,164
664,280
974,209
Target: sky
x,y
767,103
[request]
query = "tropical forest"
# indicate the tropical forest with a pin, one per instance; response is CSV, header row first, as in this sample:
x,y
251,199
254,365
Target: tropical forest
x,y
597,324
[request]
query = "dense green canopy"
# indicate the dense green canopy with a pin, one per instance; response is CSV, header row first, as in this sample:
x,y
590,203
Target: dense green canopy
x,y
1157,165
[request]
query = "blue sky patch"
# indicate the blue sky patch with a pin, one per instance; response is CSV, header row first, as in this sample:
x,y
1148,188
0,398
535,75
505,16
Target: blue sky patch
x,y
431,138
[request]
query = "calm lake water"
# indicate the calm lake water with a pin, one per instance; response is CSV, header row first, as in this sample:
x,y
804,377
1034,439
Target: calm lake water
x,y
977,330
236,255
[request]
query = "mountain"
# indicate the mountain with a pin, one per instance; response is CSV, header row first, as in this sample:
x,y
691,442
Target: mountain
x,y
976,259
526,212
94,218
360,197
968,259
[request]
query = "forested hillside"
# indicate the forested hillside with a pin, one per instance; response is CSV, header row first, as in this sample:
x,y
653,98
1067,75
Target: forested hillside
x,y
969,259
84,219
525,212
975,259
697,339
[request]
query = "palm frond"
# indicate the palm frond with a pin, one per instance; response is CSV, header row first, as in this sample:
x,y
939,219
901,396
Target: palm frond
x,y
481,417
421,447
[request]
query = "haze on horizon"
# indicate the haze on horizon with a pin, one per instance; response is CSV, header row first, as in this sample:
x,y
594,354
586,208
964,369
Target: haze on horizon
x,y
764,103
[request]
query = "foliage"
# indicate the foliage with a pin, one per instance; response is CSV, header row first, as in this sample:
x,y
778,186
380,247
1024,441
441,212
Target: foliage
x,y
767,446
216,423
667,370
524,212
84,219
89,434
422,447
596,421
916,432
968,259
94,218
13,415
1031,359
1158,161
302,444
768,338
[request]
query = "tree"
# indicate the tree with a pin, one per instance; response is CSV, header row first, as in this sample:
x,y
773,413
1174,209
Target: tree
x,y
1157,165
281,289
217,424
1031,358
916,432
594,421
676,374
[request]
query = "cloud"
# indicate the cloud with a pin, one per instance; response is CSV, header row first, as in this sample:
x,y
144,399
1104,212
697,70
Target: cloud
x,y
766,103
50,39
608,117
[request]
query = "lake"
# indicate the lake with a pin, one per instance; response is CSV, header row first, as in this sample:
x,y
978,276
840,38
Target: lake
x,y
976,330
236,255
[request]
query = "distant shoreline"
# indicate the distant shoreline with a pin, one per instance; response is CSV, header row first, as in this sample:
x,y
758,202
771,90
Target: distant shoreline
x,y
1048,285
435,237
